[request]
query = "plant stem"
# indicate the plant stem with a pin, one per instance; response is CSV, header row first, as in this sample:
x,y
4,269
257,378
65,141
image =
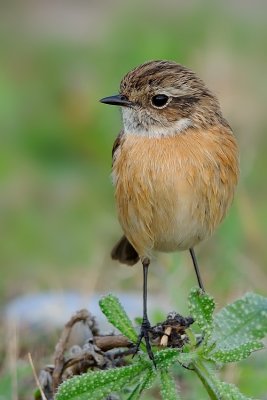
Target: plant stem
x,y
207,378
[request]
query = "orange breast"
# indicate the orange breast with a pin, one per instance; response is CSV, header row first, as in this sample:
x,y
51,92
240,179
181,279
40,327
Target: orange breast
x,y
172,192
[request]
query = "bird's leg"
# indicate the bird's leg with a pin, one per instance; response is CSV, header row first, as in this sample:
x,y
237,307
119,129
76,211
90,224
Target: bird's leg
x,y
145,326
193,256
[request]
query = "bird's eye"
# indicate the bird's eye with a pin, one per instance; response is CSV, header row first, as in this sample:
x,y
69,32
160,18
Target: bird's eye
x,y
159,100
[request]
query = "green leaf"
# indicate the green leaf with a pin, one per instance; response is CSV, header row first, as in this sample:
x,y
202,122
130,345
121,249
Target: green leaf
x,y
237,327
165,358
206,373
168,386
201,307
187,358
145,383
117,316
136,393
148,379
217,390
236,353
100,383
228,391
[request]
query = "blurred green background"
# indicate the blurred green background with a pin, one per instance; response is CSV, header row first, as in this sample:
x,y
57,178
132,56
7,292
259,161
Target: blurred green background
x,y
58,219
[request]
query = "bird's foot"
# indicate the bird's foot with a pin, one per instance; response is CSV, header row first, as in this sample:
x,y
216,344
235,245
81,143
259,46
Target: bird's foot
x,y
144,333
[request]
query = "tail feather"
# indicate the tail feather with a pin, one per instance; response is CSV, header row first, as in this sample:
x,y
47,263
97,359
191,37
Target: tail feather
x,y
124,252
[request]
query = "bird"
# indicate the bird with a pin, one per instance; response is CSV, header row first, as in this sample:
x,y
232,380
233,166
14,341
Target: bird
x,y
175,167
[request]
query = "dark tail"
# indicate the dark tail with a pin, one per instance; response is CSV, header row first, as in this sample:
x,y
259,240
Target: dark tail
x,y
124,252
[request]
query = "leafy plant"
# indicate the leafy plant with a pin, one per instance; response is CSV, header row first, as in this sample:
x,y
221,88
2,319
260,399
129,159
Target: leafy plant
x,y
231,335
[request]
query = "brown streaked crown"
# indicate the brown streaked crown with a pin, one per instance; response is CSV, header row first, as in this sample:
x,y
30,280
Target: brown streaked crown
x,y
162,74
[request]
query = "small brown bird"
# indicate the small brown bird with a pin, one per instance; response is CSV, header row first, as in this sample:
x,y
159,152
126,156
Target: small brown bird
x,y
175,166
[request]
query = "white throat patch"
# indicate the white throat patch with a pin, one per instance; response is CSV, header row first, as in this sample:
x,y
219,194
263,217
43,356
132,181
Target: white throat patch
x,y
132,126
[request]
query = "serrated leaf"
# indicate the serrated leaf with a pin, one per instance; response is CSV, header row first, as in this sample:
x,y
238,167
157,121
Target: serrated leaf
x,y
149,379
217,390
206,371
235,354
100,383
187,358
165,358
136,393
168,387
228,391
239,323
146,383
201,307
116,315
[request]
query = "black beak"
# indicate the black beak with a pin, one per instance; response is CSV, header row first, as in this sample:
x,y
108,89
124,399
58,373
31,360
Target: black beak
x,y
117,100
